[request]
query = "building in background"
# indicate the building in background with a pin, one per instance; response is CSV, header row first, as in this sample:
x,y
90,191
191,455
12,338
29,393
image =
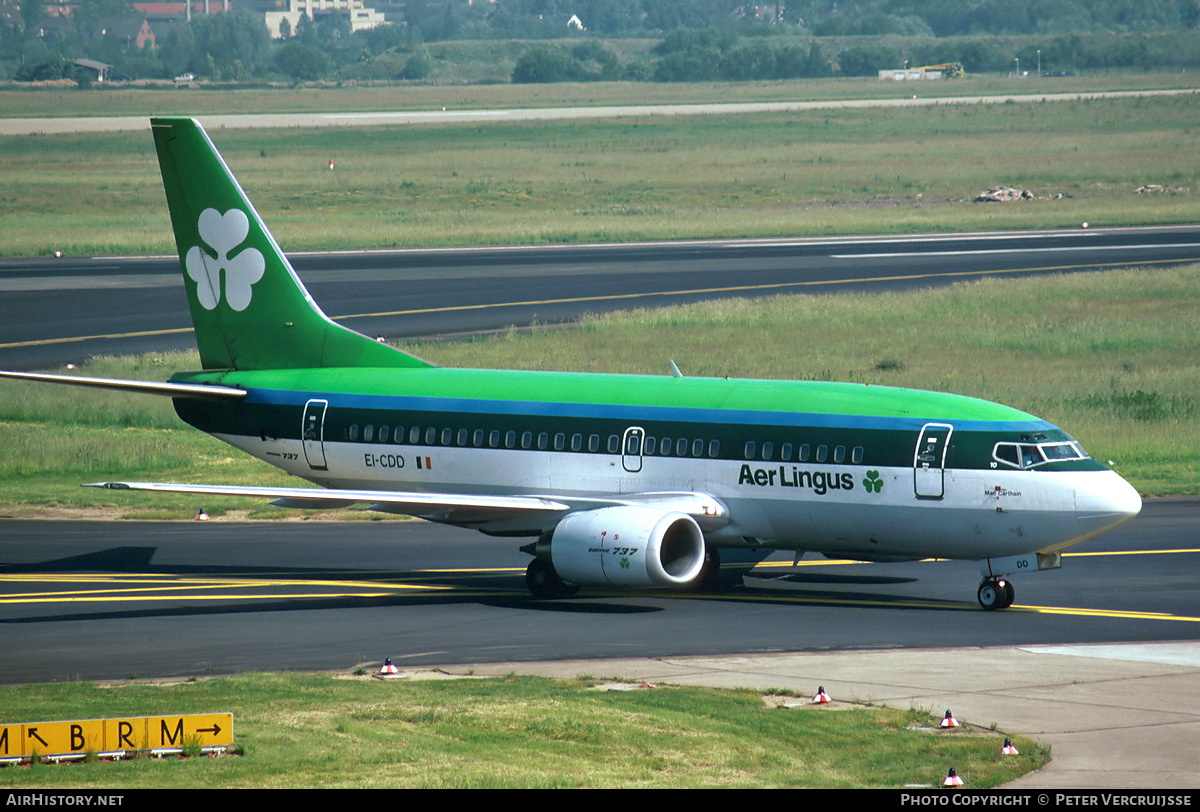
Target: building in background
x,y
156,11
361,16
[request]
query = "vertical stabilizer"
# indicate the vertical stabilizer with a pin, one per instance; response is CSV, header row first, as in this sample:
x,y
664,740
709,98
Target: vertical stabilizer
x,y
249,308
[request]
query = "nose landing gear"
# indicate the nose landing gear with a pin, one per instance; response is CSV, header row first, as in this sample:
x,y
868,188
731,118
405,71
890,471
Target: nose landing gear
x,y
996,593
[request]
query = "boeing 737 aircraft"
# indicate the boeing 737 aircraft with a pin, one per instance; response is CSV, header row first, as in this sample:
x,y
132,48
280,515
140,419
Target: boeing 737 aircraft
x,y
623,481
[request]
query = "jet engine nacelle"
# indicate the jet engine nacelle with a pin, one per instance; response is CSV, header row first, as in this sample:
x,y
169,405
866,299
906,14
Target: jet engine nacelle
x,y
627,546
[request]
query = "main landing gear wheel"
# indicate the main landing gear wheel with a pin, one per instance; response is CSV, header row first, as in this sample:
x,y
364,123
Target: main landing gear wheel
x,y
709,573
543,581
996,593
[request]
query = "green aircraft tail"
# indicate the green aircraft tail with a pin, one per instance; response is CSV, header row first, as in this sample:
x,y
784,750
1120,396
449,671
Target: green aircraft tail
x,y
249,308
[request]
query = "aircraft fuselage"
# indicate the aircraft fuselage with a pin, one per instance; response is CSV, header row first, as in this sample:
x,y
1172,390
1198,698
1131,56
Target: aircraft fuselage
x,y
902,474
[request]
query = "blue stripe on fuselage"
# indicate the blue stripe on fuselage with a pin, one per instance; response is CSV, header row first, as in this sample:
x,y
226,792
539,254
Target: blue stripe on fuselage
x,y
631,414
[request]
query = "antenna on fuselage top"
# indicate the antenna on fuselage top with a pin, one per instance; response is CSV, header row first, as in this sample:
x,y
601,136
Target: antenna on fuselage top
x,y
675,373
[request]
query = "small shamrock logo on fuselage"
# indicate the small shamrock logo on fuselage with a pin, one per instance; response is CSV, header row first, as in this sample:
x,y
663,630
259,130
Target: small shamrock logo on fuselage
x,y
223,233
872,482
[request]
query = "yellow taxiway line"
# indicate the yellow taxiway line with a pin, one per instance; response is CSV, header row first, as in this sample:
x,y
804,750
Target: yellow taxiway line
x,y
158,587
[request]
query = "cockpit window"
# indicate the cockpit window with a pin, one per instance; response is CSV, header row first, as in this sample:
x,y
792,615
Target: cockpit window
x,y
1007,453
1060,451
1030,455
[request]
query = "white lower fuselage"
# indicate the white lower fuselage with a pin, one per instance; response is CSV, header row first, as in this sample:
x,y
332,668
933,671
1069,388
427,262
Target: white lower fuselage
x,y
851,510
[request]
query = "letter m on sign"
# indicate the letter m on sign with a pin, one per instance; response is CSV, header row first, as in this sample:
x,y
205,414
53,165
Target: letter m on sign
x,y
166,736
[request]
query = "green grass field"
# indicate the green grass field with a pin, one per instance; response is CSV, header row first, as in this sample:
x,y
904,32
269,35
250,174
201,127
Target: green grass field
x,y
315,731
1111,357
771,175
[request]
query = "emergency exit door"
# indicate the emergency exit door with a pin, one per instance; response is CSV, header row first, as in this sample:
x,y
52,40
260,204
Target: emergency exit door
x,y
313,433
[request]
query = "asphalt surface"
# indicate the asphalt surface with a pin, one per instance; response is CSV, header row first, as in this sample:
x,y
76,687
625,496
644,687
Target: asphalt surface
x,y
103,600
1098,659
59,311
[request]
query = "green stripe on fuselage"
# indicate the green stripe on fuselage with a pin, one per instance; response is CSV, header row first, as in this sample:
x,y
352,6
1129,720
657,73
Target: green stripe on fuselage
x,y
722,394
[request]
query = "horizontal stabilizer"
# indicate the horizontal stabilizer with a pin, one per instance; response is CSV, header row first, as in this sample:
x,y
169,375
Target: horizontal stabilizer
x,y
172,390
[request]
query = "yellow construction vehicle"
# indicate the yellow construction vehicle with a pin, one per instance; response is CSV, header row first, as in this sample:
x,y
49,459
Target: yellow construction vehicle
x,y
952,70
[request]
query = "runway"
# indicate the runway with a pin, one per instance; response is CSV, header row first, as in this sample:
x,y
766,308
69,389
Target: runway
x,y
110,600
59,311
74,124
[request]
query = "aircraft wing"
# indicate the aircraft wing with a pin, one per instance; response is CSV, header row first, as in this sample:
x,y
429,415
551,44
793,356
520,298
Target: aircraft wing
x,y
408,502
489,513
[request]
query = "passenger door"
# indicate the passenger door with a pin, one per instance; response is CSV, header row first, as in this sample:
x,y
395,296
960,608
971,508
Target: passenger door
x,y
929,461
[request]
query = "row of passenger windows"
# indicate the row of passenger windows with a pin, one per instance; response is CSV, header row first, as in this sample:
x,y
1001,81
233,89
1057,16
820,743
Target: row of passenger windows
x,y
416,435
661,446
804,453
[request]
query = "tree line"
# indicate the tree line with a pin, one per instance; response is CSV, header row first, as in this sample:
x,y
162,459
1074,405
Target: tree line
x,y
542,19
700,39
723,55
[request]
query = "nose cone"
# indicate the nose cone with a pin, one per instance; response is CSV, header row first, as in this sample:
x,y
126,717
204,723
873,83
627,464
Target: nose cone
x,y
1104,501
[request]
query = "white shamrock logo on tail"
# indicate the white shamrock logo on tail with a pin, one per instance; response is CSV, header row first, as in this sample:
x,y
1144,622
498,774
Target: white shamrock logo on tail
x,y
223,233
